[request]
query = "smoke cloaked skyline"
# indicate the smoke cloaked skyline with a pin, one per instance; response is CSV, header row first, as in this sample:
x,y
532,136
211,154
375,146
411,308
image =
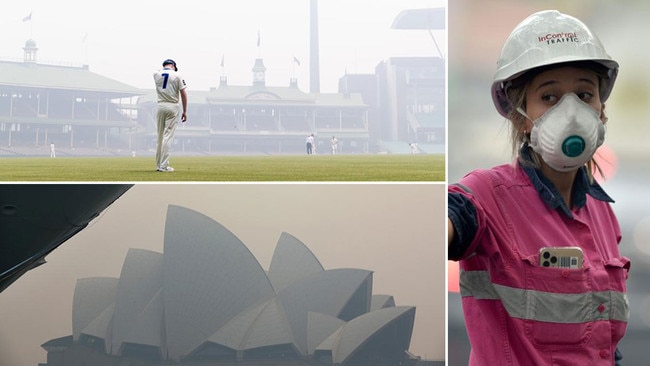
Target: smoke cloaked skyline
x,y
127,40
394,230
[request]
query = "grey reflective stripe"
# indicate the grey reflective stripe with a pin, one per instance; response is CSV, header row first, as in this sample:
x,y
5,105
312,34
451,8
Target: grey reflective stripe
x,y
546,306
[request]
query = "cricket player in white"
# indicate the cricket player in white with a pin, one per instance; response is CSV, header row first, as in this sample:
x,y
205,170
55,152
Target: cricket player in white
x,y
169,85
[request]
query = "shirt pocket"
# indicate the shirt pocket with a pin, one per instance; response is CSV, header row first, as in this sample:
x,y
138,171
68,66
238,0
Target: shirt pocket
x,y
558,304
617,270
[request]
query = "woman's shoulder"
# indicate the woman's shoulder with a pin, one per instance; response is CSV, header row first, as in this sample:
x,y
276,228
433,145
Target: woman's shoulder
x,y
501,174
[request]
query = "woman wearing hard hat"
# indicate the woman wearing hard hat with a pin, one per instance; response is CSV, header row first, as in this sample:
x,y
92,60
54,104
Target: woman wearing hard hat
x,y
542,280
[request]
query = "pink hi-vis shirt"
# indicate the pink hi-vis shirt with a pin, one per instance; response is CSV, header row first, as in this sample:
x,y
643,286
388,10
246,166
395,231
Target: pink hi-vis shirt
x,y
518,312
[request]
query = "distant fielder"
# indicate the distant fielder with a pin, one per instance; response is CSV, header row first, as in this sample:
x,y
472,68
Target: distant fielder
x,y
310,144
169,84
414,148
335,144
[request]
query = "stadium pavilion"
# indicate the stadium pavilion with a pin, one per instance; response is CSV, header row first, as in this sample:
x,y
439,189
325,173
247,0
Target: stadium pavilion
x,y
68,106
207,301
268,119
83,113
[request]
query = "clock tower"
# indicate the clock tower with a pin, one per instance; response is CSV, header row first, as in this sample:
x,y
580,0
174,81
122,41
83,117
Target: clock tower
x,y
259,77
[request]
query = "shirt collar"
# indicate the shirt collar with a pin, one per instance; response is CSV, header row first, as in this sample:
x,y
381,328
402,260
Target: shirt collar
x,y
550,195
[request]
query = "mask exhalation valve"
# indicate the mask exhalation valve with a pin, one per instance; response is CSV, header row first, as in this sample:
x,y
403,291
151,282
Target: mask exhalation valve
x,y
573,146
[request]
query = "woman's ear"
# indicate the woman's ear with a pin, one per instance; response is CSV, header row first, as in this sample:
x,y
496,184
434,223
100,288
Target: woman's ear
x,y
527,126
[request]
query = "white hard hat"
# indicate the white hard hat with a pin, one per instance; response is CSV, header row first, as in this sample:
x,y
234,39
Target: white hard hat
x,y
546,38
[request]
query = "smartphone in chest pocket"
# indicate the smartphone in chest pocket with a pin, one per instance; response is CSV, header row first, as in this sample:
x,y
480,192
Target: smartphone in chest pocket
x,y
561,257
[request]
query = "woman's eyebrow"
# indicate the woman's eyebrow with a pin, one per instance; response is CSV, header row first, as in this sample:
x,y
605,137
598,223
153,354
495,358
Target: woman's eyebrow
x,y
553,81
587,80
546,83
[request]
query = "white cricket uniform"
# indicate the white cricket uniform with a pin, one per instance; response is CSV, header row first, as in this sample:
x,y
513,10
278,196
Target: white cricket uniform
x,y
169,83
335,145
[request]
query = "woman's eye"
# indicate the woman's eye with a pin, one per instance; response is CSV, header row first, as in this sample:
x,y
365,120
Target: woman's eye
x,y
549,98
585,96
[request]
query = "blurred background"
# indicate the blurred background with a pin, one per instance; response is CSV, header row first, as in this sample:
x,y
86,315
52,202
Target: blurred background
x,y
478,137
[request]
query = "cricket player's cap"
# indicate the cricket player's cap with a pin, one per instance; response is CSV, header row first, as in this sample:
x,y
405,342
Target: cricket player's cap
x,y
169,61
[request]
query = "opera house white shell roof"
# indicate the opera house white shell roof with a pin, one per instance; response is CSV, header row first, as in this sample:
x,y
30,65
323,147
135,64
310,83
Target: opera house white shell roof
x,y
207,297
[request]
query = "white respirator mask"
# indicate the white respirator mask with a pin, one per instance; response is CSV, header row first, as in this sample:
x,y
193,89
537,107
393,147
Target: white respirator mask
x,y
567,135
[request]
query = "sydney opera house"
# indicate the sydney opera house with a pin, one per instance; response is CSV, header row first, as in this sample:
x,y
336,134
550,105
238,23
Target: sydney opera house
x,y
206,300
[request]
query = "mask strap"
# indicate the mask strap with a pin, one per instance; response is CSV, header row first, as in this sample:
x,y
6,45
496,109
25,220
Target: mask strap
x,y
523,113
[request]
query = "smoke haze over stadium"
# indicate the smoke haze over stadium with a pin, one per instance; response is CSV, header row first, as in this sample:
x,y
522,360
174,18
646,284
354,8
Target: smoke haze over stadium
x,y
127,40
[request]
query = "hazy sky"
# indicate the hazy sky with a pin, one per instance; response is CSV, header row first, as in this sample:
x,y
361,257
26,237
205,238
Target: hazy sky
x,y
127,40
395,230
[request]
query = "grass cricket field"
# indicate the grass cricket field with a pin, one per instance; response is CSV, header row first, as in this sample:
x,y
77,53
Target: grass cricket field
x,y
289,168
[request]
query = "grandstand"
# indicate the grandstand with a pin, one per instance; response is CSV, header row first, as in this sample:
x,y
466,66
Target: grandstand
x,y
85,114
42,104
263,119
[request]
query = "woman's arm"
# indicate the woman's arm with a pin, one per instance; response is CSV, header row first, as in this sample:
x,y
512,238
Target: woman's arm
x,y
450,231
